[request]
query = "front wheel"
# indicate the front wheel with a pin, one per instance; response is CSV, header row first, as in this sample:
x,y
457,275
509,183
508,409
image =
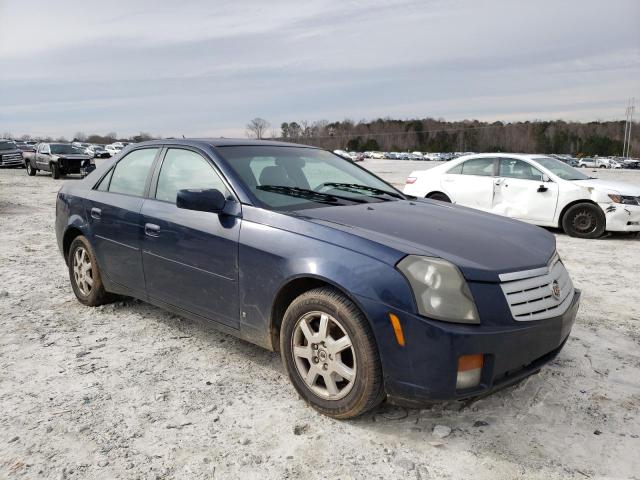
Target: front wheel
x,y
84,274
55,170
330,354
30,170
584,220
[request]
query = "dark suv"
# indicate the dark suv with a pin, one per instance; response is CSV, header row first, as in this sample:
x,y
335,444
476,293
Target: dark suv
x,y
10,154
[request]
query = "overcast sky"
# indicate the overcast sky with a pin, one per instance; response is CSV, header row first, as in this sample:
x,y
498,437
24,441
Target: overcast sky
x,y
204,68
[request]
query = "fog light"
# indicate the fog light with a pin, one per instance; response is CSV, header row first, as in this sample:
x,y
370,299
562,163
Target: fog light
x,y
469,371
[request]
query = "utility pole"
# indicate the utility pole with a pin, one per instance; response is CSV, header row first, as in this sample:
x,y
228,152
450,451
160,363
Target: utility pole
x,y
626,144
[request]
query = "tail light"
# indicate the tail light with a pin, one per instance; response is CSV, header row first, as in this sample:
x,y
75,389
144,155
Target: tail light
x,y
411,179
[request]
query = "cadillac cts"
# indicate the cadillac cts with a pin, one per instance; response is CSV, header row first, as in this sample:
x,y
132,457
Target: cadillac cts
x,y
365,292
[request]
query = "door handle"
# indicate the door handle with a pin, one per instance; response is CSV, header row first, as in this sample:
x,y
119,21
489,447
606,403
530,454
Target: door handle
x,y
151,229
96,213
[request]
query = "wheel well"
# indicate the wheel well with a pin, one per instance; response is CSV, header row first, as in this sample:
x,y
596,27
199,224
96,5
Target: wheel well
x,y
69,236
287,294
569,205
431,194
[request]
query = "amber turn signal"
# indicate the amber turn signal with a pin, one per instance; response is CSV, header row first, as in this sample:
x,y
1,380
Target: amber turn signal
x,y
397,329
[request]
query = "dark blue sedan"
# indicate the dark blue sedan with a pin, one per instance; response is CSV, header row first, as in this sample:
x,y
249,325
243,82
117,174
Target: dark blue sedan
x,y
366,293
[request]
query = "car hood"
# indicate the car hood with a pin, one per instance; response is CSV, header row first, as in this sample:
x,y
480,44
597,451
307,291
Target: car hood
x,y
482,245
616,187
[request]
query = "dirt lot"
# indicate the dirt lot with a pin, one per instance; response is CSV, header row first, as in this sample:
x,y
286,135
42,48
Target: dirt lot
x,y
129,391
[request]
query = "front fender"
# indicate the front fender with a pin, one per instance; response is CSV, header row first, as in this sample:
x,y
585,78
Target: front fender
x,y
271,258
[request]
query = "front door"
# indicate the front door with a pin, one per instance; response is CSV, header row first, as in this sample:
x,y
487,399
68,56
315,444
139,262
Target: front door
x,y
113,211
190,258
521,192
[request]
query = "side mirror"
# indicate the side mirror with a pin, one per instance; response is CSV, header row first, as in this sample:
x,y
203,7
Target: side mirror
x,y
545,178
210,200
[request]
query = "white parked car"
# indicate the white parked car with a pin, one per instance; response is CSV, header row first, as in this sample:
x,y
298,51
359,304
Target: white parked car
x,y
593,163
113,149
533,188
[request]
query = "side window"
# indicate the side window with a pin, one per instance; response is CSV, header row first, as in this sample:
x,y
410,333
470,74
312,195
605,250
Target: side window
x,y
456,169
478,166
512,168
103,186
130,174
184,169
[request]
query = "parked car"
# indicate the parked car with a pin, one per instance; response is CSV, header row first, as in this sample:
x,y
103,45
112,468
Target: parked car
x,y
10,154
113,150
342,153
533,188
300,251
589,162
631,163
100,152
60,159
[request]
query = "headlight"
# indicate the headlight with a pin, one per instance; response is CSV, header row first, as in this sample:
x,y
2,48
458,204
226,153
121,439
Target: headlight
x,y
440,290
624,199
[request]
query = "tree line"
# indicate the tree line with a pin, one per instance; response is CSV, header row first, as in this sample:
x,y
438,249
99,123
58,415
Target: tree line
x,y
431,135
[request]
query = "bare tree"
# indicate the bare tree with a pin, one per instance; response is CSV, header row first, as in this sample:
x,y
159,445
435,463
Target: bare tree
x,y
257,128
80,136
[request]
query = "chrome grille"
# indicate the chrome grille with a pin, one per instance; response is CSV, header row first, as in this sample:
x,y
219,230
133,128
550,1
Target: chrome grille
x,y
11,159
530,293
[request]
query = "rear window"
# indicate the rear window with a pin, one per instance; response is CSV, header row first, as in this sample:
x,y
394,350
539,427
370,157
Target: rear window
x,y
130,175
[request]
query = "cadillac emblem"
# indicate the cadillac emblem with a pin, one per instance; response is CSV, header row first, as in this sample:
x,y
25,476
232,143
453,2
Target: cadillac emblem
x,y
555,289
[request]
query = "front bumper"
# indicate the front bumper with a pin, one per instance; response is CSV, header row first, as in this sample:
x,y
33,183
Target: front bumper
x,y
621,217
425,369
11,160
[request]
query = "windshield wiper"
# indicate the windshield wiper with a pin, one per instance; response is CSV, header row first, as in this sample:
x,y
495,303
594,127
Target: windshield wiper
x,y
312,195
354,187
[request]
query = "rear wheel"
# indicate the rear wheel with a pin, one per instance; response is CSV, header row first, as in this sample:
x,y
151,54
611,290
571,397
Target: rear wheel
x,y
439,196
584,220
330,354
55,170
84,274
30,170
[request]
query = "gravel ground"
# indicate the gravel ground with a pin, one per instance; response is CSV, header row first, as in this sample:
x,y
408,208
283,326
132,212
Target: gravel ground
x,y
129,391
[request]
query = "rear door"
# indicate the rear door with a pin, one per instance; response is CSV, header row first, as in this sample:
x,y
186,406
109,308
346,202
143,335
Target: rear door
x,y
522,193
190,258
471,183
113,211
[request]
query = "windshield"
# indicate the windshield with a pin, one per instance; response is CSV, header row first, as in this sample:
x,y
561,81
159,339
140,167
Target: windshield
x,y
7,145
294,178
561,169
65,148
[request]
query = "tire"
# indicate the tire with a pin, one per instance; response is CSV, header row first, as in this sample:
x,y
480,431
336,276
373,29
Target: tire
x,y
96,294
30,170
350,398
55,171
584,220
439,196
603,166
582,166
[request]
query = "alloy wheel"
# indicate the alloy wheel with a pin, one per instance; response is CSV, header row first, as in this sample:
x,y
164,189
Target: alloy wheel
x,y
82,271
324,355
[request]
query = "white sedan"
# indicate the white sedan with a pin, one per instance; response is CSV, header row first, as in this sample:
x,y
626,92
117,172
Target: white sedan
x,y
533,188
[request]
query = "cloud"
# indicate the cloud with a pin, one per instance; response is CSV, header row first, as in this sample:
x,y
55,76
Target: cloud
x,y
204,67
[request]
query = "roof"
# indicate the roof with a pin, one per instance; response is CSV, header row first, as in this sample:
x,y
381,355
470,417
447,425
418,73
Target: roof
x,y
223,142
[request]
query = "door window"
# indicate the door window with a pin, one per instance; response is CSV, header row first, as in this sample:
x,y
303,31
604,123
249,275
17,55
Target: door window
x,y
184,169
478,166
512,168
130,174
